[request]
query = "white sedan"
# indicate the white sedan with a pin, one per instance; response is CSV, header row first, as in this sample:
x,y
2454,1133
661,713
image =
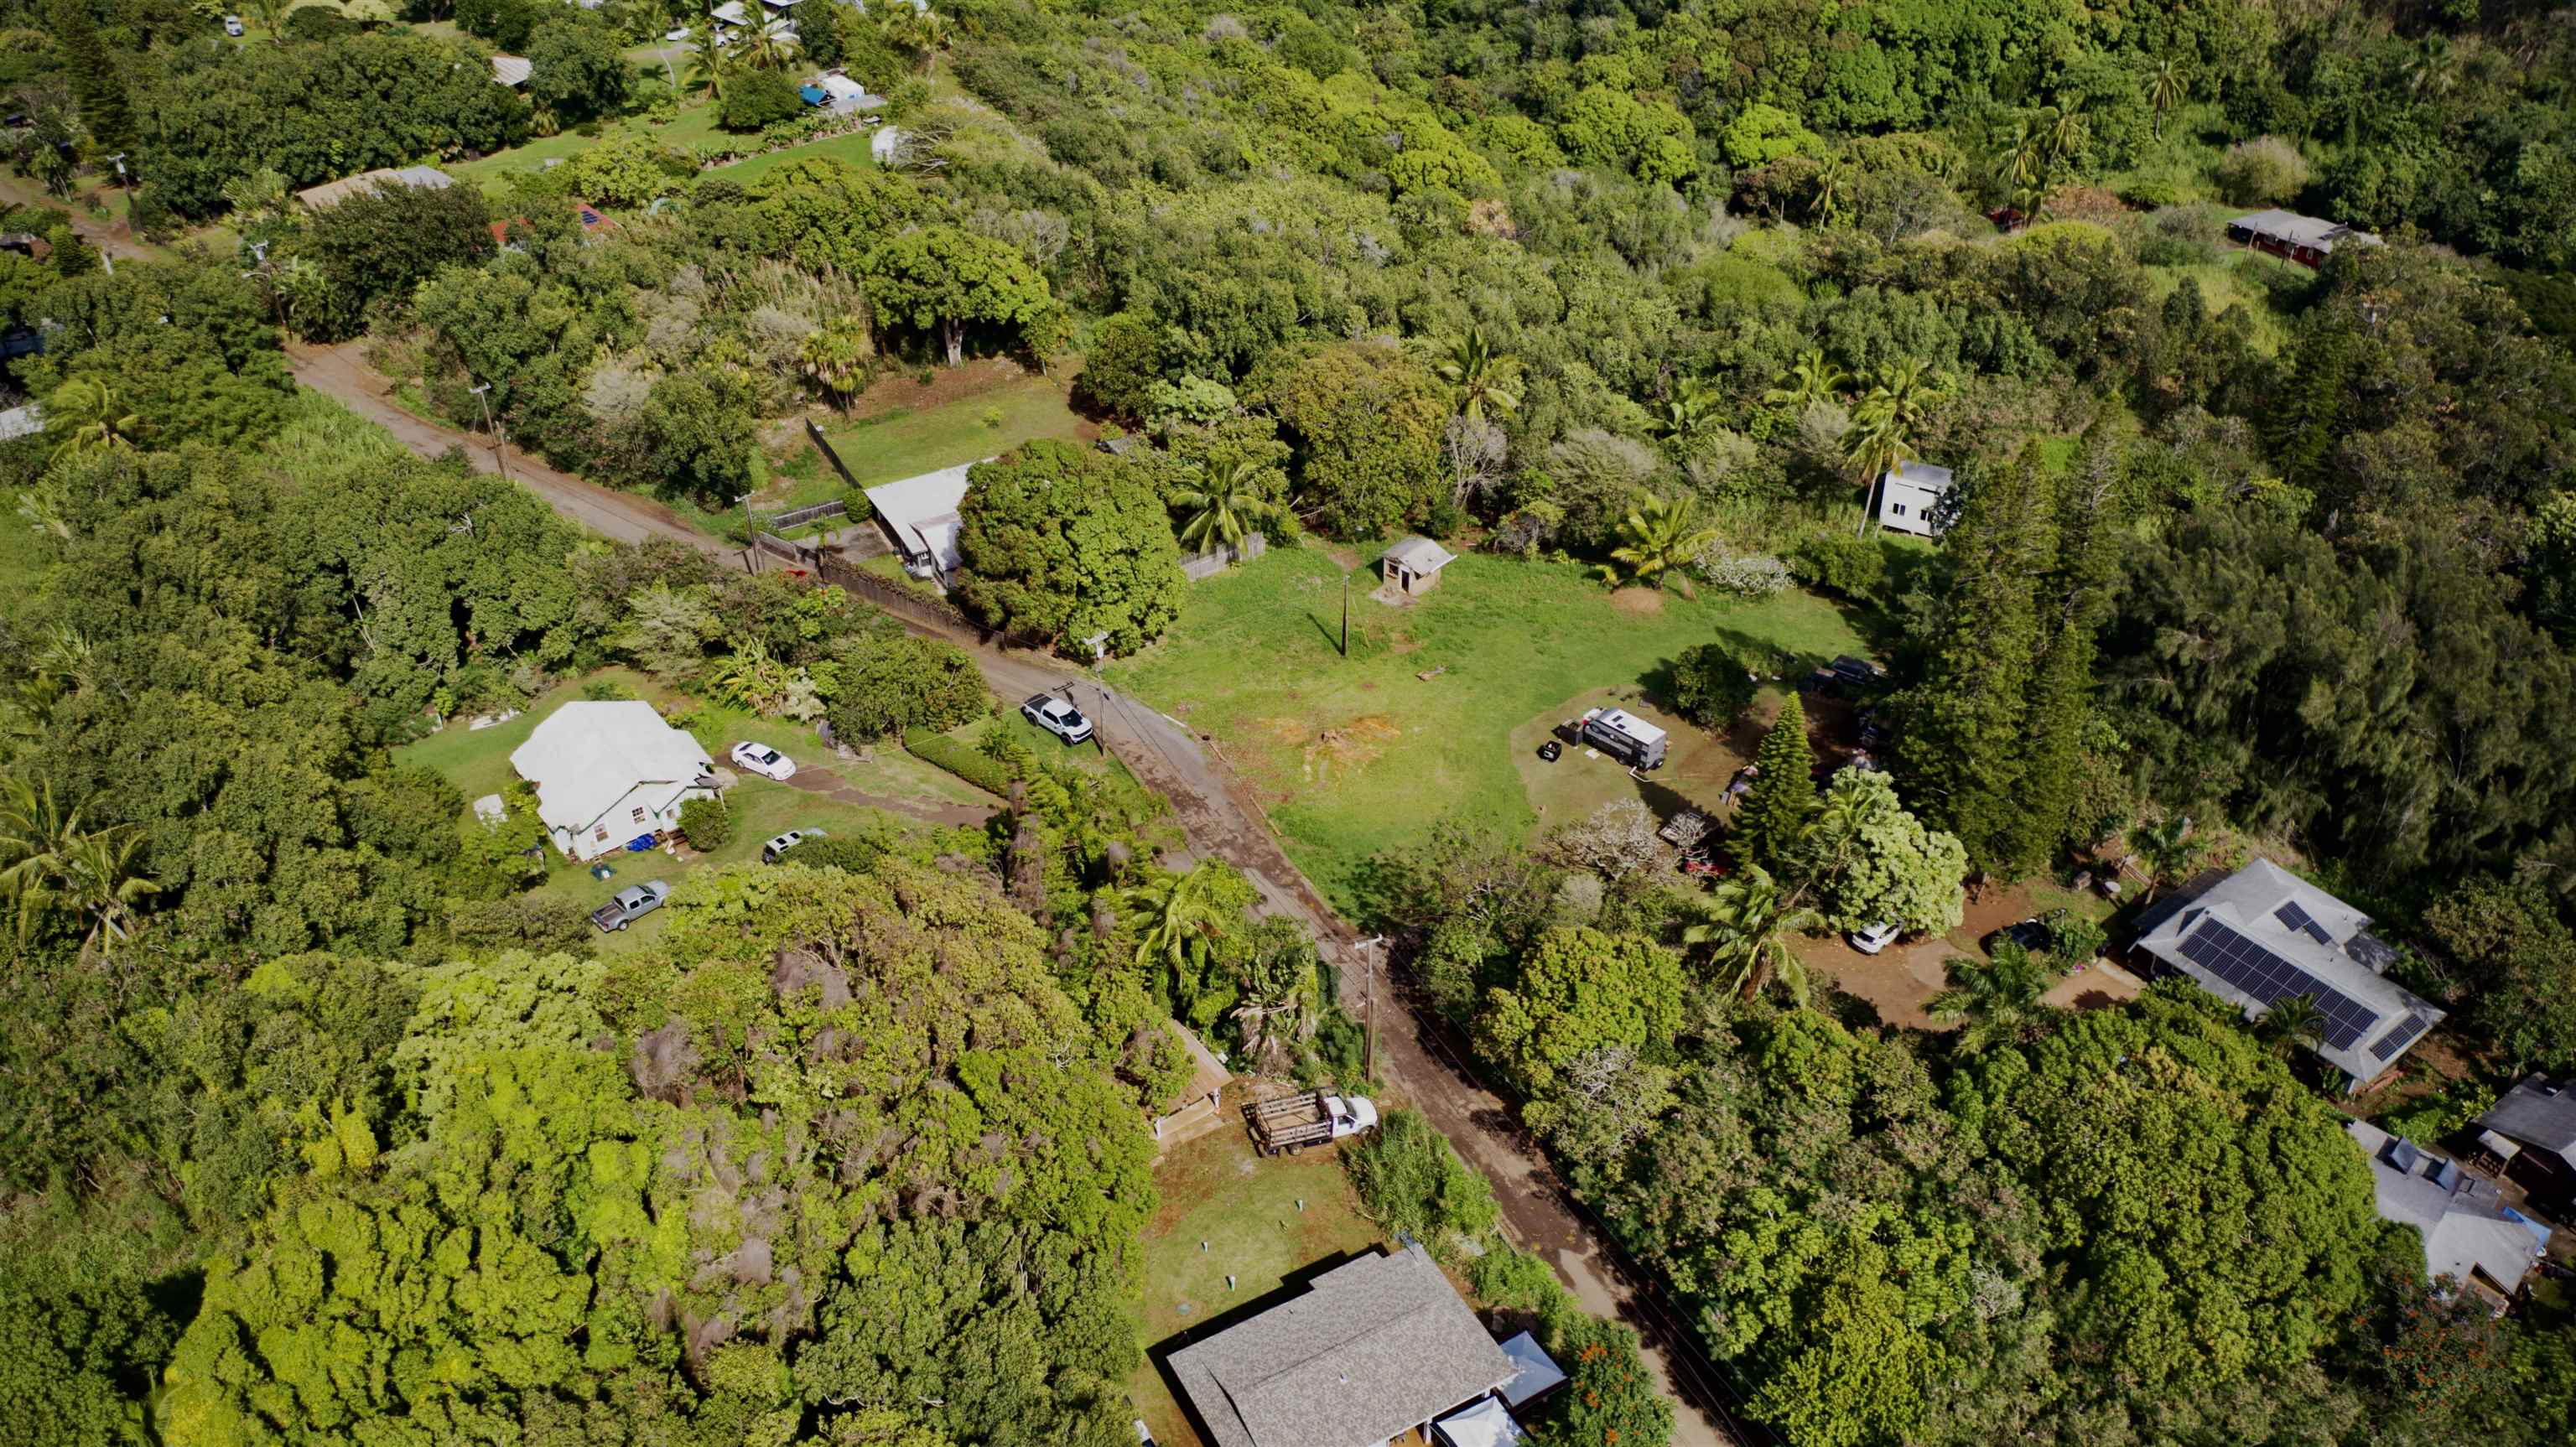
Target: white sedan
x,y
1875,938
763,760
677,32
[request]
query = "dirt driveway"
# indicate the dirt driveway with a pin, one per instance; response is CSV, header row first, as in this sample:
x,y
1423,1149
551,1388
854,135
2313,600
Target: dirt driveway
x,y
1697,764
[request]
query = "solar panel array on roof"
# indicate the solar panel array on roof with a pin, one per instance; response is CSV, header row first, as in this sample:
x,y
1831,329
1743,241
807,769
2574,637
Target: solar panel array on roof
x,y
2293,917
2269,979
2398,1039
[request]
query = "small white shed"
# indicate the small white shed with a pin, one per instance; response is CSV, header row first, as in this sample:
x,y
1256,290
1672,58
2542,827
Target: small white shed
x,y
1907,495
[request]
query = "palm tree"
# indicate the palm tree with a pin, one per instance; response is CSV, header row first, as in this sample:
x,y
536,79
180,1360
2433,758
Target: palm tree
x,y
2066,136
2165,90
1270,1006
298,284
835,355
1480,378
2025,162
1886,421
1811,379
1663,534
706,61
910,27
1183,922
2293,1022
1746,921
2430,72
1833,179
257,197
1998,997
770,46
1223,508
2167,847
50,859
97,422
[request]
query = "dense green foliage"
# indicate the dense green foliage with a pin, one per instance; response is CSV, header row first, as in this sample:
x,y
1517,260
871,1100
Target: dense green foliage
x,y
1064,546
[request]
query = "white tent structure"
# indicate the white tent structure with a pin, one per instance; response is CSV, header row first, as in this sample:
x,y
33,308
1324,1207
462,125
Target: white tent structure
x,y
1486,1424
1539,1373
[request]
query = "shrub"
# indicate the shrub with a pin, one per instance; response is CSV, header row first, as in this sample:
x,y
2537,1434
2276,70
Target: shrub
x,y
2075,939
1741,575
539,924
2151,192
706,823
1713,682
2262,170
1412,1184
940,751
1514,1280
606,690
756,99
856,853
1840,563
903,683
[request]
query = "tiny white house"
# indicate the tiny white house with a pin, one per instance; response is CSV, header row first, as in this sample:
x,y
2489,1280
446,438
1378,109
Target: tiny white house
x,y
1907,495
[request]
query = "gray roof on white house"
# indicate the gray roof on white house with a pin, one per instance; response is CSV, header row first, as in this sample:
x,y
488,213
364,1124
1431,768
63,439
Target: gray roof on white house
x,y
1372,1348
2292,229
1417,555
2540,1114
2468,1231
2263,933
923,511
1921,474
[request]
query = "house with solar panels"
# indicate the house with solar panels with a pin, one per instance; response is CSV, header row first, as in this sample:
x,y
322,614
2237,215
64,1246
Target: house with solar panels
x,y
2263,934
2473,1241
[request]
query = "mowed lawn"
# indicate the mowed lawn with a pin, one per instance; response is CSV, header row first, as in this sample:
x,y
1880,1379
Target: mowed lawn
x,y
1354,756
477,762
1247,1209
909,441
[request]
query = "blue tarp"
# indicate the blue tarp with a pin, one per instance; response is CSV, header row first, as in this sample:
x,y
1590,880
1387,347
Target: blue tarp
x,y
639,844
814,94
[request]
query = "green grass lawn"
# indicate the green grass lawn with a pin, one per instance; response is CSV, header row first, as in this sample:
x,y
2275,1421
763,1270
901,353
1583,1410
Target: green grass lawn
x,y
1358,755
851,148
696,122
1247,1209
907,442
477,761
2227,281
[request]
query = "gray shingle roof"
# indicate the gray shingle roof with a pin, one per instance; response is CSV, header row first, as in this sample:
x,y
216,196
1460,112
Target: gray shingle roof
x,y
2540,1113
1374,1347
2292,229
2468,1231
2335,947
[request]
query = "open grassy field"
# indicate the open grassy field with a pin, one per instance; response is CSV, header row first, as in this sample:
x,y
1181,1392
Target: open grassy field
x,y
2229,280
851,149
1351,756
896,441
477,761
696,122
1261,1219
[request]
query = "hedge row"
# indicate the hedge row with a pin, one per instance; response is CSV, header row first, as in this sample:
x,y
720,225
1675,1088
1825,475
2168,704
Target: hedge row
x,y
940,750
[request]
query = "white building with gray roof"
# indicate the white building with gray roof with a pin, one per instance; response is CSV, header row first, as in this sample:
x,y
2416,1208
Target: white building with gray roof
x,y
1372,1350
2262,934
2472,1239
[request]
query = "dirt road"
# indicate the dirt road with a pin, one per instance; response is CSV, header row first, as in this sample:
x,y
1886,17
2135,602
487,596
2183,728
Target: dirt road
x,y
1222,823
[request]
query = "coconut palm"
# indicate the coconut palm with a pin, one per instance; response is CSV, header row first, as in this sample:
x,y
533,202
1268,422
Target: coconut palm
x,y
1223,508
2293,1022
911,27
95,419
1998,997
2165,90
707,60
1661,535
2025,164
769,47
255,198
50,859
1480,379
1272,995
1809,380
2167,847
1183,923
298,285
1746,921
1885,423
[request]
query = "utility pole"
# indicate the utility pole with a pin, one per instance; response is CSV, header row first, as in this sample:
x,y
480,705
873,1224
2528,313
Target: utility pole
x,y
500,459
1368,1005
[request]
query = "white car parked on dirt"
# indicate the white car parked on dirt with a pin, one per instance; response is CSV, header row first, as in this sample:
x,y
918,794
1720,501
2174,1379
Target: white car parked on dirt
x,y
1875,938
763,760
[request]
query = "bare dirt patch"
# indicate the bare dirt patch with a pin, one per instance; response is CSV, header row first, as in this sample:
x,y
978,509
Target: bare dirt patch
x,y
1350,745
902,391
1638,602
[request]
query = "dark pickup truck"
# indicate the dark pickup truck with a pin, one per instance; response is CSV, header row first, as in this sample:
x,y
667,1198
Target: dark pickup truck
x,y
630,904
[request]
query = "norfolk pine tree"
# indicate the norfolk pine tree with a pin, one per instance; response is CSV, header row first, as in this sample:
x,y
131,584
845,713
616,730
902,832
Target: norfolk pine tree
x,y
1776,807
